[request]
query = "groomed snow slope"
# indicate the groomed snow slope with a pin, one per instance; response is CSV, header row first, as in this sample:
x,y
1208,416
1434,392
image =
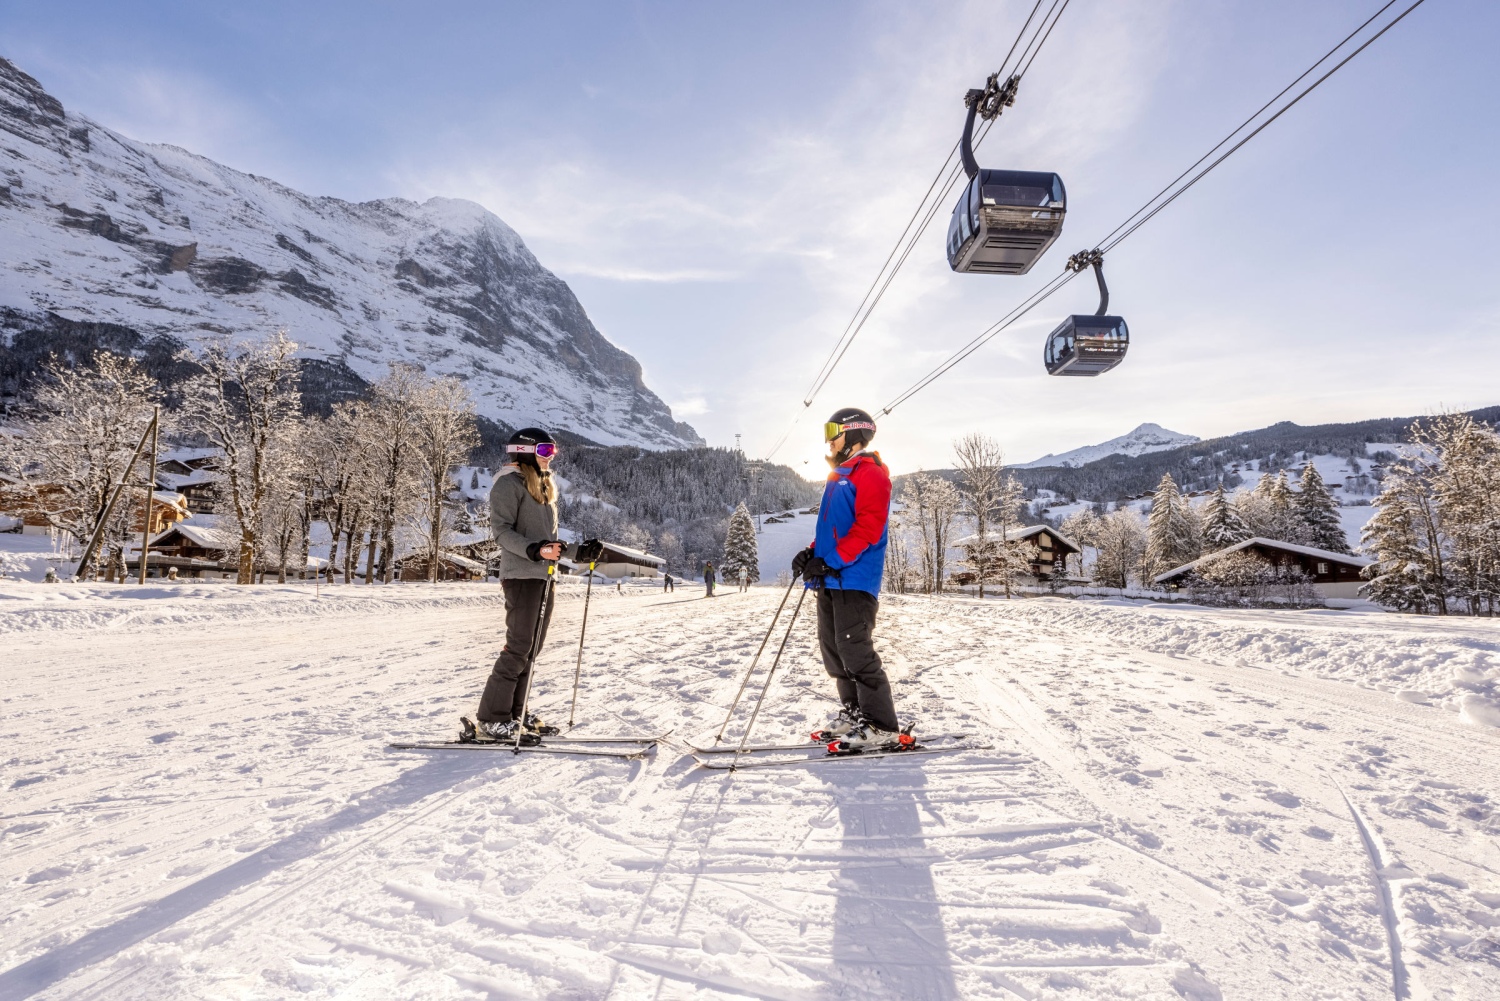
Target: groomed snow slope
x,y
199,804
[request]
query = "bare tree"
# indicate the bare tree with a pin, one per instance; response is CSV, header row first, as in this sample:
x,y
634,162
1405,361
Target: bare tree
x,y
981,472
73,439
935,503
245,403
390,431
446,433
1121,542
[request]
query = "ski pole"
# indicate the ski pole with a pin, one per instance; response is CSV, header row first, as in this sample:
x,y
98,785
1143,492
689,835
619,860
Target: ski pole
x,y
755,660
536,648
578,668
745,737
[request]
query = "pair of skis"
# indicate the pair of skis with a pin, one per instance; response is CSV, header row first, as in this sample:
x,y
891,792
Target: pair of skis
x,y
732,757
625,746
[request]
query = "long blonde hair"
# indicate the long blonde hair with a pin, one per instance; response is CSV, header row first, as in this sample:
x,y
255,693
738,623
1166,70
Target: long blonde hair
x,y
538,484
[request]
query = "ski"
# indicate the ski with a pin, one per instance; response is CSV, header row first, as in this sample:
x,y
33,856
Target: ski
x,y
725,764
469,734
621,739
730,747
497,747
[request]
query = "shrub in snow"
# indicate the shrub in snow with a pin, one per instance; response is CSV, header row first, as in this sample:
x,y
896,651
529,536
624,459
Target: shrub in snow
x,y
1244,580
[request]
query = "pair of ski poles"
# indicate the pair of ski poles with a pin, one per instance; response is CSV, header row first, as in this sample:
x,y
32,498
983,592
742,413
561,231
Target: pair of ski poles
x,y
775,662
536,635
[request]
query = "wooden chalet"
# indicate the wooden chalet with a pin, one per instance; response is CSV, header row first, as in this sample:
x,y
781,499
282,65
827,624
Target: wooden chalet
x,y
451,566
1333,575
621,561
196,548
1048,550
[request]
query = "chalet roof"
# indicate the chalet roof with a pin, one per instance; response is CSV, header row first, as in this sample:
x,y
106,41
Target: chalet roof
x,y
1017,534
200,530
634,555
1289,547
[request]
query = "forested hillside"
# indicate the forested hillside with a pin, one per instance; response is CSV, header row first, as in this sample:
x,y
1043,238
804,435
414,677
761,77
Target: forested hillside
x,y
1202,465
674,503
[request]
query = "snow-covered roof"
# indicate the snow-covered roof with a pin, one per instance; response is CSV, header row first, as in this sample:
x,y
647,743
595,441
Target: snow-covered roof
x,y
179,480
1017,534
634,555
1290,547
201,530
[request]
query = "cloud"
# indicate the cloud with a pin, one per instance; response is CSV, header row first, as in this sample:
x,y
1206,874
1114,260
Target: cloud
x,y
692,407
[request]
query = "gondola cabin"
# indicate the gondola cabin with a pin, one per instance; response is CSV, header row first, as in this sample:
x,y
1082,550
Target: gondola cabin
x,y
1086,345
1005,220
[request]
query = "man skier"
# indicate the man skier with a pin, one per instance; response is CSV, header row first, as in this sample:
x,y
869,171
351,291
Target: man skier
x,y
843,567
523,520
708,579
744,579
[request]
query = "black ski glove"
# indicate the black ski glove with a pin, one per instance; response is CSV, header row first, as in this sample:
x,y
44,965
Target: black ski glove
x,y
590,550
799,562
815,567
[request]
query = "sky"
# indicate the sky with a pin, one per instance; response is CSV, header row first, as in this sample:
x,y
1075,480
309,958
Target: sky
x,y
719,183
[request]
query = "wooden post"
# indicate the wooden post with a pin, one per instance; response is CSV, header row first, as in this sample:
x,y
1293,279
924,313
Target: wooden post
x,y
109,505
150,489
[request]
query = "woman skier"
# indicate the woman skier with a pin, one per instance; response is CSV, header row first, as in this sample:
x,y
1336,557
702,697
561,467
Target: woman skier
x,y
523,520
844,566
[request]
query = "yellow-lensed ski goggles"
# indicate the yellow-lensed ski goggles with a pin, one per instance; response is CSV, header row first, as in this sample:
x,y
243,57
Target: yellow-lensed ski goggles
x,y
833,429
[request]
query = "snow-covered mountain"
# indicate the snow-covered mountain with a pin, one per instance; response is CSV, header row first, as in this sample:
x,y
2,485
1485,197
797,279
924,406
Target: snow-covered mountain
x,y
1146,438
104,229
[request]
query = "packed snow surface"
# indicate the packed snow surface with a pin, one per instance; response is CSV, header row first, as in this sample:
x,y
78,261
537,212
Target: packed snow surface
x,y
1146,438
1178,803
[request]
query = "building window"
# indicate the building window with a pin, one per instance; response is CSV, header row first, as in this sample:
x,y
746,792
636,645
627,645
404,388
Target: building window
x,y
1322,568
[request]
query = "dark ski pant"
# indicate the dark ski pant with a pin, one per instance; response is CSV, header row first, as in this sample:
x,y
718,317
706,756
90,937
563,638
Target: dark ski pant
x,y
846,628
506,689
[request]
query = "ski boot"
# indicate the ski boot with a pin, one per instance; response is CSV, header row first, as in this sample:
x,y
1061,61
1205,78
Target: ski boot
x,y
536,726
847,720
496,732
867,737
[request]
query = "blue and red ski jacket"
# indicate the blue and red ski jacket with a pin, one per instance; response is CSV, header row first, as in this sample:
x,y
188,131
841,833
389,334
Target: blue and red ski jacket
x,y
852,520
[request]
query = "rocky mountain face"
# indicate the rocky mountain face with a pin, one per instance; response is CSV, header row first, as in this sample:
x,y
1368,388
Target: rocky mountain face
x,y
1144,439
105,240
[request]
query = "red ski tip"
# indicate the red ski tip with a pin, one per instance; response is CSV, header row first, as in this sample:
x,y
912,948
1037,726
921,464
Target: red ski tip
x,y
833,748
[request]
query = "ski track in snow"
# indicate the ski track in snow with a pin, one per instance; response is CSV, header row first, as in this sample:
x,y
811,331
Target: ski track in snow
x,y
199,803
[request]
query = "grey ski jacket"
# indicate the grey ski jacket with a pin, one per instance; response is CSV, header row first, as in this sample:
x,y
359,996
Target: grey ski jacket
x,y
516,521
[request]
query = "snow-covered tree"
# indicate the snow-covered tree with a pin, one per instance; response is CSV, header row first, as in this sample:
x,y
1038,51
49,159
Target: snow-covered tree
x,y
446,433
1172,533
1464,474
1222,524
1268,509
981,477
71,441
245,403
1121,540
1319,513
934,504
1405,537
740,548
1082,527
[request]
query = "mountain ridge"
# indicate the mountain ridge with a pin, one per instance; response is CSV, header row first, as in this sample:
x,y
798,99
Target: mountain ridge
x,y
1142,439
105,230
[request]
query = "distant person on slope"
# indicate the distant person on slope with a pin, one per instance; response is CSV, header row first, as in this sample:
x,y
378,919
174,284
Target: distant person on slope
x,y
523,520
708,579
844,566
744,579
667,584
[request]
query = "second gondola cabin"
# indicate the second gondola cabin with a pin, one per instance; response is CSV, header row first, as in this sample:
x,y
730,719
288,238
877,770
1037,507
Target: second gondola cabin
x,y
1086,344
1005,220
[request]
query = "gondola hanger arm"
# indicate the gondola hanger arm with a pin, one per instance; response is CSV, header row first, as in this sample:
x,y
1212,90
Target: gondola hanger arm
x,y
1095,259
987,103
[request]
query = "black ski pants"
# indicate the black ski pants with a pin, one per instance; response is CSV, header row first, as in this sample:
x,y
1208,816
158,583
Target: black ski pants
x,y
846,628
506,689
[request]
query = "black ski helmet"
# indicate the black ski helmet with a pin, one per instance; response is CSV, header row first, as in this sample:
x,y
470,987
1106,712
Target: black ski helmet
x,y
521,448
856,425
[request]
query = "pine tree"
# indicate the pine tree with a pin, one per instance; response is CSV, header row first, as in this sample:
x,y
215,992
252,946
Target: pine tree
x,y
1172,537
1407,544
740,549
1222,524
1319,513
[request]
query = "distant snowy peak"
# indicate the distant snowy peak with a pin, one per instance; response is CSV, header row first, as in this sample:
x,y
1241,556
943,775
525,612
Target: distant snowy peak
x,y
99,228
1146,438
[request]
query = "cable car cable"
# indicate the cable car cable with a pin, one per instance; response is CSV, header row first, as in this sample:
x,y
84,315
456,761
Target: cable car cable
x,y
1000,96
1038,297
